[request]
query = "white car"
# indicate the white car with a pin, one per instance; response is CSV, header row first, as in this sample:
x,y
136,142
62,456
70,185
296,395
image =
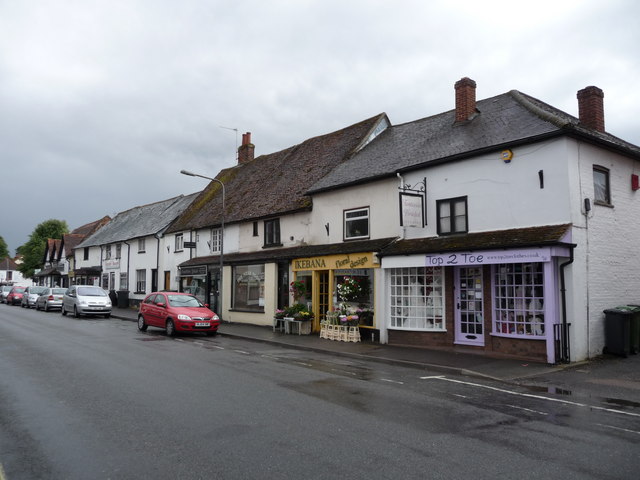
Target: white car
x,y
86,300
30,296
4,291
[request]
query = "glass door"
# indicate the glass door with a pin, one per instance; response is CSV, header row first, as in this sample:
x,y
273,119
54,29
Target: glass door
x,y
322,305
469,306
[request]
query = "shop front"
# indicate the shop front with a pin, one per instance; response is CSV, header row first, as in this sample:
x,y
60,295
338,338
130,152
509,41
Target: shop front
x,y
505,301
341,284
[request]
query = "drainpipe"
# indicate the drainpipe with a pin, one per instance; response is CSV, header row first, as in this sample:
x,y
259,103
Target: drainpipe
x,y
128,263
402,229
565,352
158,261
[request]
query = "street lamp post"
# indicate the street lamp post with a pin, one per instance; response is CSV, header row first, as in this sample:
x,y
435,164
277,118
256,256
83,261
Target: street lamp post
x,y
220,285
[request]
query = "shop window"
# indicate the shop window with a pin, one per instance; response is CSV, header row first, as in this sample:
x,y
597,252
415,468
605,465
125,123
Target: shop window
x,y
179,242
248,288
216,240
601,190
353,294
356,223
417,298
519,299
141,245
141,281
452,216
272,233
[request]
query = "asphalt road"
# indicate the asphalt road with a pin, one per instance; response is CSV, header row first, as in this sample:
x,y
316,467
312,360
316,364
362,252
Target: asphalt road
x,y
96,399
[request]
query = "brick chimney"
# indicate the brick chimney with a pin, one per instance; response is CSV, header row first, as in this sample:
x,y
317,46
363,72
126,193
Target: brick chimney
x,y
465,99
245,151
591,108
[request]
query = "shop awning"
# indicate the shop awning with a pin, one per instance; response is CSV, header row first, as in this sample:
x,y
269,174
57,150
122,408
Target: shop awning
x,y
529,237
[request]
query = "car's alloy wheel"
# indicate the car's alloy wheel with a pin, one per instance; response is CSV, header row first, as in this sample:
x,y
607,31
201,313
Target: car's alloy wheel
x,y
142,325
63,311
171,328
46,307
75,312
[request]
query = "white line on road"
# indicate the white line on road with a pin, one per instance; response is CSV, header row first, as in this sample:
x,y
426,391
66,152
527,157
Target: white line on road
x,y
527,410
618,428
217,346
303,364
530,395
242,351
391,381
2,474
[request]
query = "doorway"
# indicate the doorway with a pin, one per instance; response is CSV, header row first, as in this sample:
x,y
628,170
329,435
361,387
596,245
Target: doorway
x,y
469,304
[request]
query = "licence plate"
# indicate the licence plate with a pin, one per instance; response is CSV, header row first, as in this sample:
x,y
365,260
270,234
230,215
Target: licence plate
x,y
203,324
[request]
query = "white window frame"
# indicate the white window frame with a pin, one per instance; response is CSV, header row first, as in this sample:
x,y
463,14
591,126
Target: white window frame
x,y
107,252
350,216
179,245
216,240
601,185
142,245
458,212
141,281
118,251
416,296
518,300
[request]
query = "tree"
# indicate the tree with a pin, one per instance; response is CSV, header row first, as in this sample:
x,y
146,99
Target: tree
x,y
33,251
4,249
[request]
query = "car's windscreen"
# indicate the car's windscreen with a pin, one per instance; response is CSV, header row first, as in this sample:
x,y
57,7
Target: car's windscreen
x,y
91,292
184,301
58,291
19,290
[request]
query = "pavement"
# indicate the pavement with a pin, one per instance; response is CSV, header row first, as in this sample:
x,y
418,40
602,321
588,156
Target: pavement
x,y
603,376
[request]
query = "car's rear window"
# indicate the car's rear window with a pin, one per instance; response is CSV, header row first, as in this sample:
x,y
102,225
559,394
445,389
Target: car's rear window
x,y
91,292
37,289
184,301
19,290
58,291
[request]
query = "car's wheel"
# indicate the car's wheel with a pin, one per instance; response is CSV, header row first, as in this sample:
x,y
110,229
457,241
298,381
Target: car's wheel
x,y
212,334
142,325
46,307
75,312
107,315
63,311
171,328
37,308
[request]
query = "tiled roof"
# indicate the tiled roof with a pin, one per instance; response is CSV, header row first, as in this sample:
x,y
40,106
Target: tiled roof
x,y
503,121
89,228
139,221
8,264
276,183
498,239
70,241
290,253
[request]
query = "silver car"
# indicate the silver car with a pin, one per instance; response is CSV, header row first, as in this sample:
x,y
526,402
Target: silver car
x,y
4,292
86,300
50,299
30,296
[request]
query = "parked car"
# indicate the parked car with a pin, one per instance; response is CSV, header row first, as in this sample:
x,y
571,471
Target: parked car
x,y
50,299
4,292
30,296
86,300
15,295
176,312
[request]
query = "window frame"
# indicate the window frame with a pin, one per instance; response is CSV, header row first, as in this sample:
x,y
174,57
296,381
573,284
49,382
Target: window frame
x,y
452,217
272,234
600,170
141,281
345,221
248,298
142,245
411,303
179,243
216,240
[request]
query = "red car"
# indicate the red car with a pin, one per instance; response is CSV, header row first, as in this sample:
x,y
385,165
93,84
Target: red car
x,y
15,295
176,312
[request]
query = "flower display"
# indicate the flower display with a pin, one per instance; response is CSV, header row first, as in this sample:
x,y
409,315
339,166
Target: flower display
x,y
298,288
350,288
297,311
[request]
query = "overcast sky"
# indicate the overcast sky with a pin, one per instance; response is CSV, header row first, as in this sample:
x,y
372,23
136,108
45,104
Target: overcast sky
x,y
102,103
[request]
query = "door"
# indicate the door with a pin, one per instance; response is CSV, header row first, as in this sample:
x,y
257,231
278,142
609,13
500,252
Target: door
x,y
469,328
167,280
320,312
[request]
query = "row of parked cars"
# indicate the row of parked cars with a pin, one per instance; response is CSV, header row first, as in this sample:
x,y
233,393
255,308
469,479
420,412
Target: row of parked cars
x,y
172,311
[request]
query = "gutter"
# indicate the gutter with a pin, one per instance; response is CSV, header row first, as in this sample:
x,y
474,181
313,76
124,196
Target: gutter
x,y
565,349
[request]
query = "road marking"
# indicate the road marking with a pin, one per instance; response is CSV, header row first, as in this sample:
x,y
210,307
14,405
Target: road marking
x,y
217,346
2,474
391,381
303,364
527,410
530,395
618,428
242,351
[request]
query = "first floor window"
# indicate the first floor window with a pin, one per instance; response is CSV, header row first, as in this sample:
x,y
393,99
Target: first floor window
x,y
179,242
118,250
141,281
216,240
85,253
107,254
601,191
519,299
356,223
417,298
272,232
141,245
452,216
248,287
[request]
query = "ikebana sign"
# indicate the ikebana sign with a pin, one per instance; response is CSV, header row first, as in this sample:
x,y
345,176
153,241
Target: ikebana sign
x,y
332,262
